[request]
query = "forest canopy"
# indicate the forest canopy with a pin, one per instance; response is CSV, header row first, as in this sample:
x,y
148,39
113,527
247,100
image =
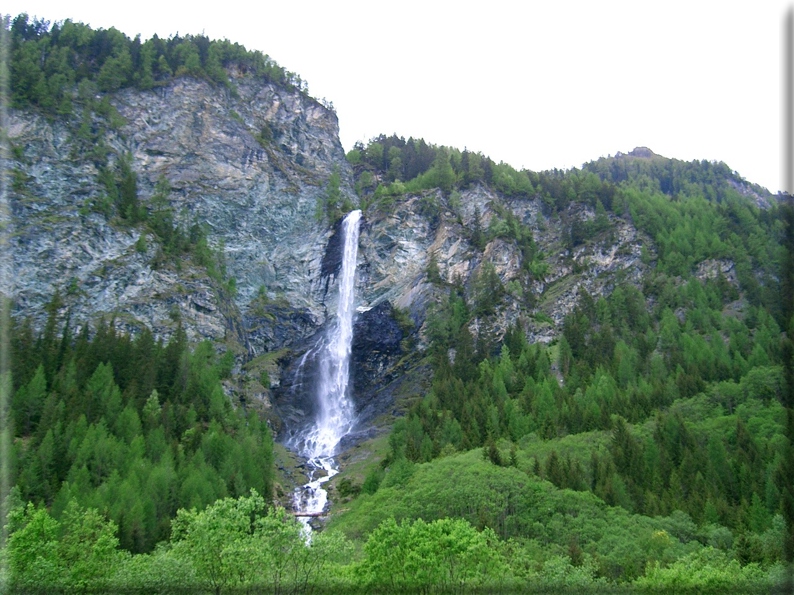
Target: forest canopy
x,y
49,61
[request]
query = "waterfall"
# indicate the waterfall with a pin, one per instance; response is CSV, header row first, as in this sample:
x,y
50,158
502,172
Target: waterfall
x,y
335,412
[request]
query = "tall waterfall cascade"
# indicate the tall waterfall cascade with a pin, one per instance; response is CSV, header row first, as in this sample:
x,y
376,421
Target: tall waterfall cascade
x,y
335,413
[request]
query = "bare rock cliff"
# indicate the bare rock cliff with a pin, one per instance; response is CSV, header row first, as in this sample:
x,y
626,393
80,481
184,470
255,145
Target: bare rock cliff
x,y
249,164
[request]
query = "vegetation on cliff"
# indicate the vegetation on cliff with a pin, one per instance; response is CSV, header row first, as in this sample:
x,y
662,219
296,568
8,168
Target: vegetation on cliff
x,y
50,60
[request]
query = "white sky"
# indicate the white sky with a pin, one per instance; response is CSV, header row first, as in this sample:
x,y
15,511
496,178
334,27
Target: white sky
x,y
535,84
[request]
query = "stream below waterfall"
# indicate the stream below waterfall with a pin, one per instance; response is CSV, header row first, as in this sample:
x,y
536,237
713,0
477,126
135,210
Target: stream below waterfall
x,y
335,412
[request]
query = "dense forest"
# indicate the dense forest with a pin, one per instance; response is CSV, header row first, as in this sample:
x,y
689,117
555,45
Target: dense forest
x,y
48,60
129,426
643,449
665,400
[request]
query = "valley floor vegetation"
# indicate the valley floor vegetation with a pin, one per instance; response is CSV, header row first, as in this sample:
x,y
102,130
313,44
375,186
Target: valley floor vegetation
x,y
242,546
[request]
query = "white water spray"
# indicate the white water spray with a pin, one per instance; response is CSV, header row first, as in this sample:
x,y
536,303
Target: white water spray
x,y
335,411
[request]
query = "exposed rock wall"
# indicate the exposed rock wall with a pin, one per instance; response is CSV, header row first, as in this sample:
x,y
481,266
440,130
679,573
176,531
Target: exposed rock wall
x,y
397,247
257,198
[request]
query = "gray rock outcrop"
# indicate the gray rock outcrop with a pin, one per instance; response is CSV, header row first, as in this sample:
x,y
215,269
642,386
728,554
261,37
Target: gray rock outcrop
x,y
257,196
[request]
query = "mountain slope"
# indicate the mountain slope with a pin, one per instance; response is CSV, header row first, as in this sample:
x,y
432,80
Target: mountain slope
x,y
615,329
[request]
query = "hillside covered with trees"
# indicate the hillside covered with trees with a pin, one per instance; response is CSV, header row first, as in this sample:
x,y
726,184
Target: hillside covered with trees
x,y
48,60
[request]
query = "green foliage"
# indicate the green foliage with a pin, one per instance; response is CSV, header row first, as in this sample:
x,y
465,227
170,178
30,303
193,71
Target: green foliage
x,y
707,570
265,136
583,230
333,205
236,543
478,495
132,427
141,246
487,290
231,544
162,571
28,402
128,205
19,181
121,193
264,378
546,536
49,60
445,555
432,271
176,240
33,552
345,487
414,166
77,554
372,481
214,541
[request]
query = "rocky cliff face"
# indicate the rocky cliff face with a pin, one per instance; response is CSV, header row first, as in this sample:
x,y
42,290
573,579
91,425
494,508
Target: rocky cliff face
x,y
257,197
251,164
397,248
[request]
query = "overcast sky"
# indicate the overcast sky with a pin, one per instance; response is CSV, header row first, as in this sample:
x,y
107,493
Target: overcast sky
x,y
535,84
